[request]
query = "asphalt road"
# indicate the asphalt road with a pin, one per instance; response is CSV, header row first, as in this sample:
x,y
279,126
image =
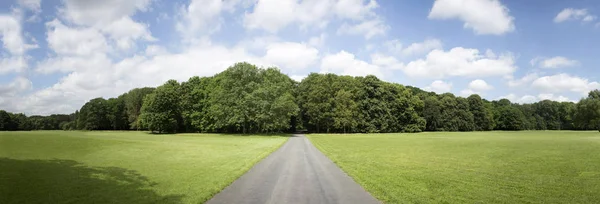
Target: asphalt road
x,y
295,173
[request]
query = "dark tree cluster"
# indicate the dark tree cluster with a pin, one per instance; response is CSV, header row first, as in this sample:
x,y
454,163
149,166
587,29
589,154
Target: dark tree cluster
x,y
248,99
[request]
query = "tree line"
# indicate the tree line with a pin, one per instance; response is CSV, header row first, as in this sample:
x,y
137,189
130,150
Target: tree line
x,y
248,99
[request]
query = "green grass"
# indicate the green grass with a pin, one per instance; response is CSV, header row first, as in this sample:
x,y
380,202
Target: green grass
x,y
123,167
477,167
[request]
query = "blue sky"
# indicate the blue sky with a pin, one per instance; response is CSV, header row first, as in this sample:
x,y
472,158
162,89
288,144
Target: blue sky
x,y
58,54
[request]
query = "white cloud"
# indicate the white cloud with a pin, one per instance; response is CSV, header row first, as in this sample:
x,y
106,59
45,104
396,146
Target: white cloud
x,y
18,84
66,64
111,17
153,50
346,64
33,5
554,98
298,78
564,83
483,16
10,31
203,16
387,62
274,15
74,41
461,62
522,81
480,85
523,99
355,9
574,14
368,28
467,92
98,76
439,86
125,31
292,56
554,62
393,46
12,64
92,12
423,47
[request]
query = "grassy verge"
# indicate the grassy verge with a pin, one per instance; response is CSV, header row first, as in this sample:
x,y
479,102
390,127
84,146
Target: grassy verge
x,y
123,167
476,167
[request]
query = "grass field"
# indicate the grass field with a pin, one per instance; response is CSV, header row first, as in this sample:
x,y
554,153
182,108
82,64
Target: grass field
x,y
123,167
477,167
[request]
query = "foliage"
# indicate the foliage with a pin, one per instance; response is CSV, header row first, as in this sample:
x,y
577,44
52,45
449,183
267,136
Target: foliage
x,y
248,99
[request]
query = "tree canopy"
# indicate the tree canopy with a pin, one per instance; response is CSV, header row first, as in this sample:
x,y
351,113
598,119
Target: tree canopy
x,y
248,99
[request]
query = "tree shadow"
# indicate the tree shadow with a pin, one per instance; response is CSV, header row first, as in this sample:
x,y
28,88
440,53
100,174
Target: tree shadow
x,y
67,181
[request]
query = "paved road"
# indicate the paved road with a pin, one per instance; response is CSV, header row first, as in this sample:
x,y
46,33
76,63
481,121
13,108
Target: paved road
x,y
295,173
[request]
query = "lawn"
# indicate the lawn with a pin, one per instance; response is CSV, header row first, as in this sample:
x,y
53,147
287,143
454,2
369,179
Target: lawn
x,y
123,167
475,167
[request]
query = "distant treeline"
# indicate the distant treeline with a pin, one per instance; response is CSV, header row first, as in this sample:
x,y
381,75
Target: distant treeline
x,y
247,99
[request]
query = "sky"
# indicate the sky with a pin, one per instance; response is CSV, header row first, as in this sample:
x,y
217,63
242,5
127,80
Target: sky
x,y
56,55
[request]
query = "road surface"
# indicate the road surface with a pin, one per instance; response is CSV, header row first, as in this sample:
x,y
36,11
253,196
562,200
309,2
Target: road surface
x,y
295,173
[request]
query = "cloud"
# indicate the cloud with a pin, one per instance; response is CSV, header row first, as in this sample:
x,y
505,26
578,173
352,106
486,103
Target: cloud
x,y
33,5
203,16
346,64
439,86
564,83
18,84
568,14
10,31
274,15
523,99
393,46
64,40
461,61
387,62
111,18
483,16
525,80
423,47
292,56
92,12
554,98
480,85
12,64
368,29
554,62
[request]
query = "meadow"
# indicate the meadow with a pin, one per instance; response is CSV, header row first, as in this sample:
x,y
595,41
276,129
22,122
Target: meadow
x,y
471,167
123,167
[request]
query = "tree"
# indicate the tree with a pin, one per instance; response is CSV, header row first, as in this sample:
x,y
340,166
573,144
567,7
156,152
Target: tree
x,y
133,104
94,115
432,114
482,116
345,110
160,111
117,113
6,122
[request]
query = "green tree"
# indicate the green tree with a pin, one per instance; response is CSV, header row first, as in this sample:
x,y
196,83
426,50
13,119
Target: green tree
x,y
345,110
160,111
94,115
482,116
133,105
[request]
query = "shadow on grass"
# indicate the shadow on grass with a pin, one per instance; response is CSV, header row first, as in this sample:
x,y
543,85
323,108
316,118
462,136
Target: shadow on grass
x,y
67,181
